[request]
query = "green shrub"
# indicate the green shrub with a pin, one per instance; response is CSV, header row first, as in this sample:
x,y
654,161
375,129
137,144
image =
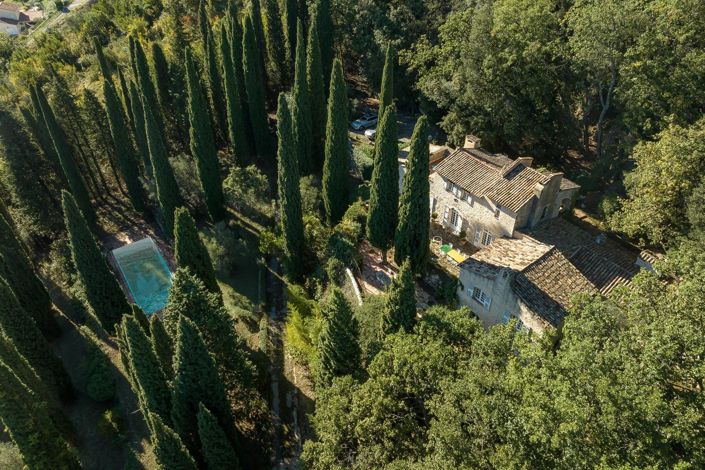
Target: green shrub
x,y
222,245
189,186
247,191
112,424
363,158
310,195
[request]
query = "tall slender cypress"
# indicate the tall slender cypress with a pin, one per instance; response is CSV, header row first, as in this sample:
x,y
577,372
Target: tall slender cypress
x,y
160,75
169,449
162,346
326,37
145,84
384,186
290,17
255,16
167,189
101,288
213,71
196,381
126,98
203,143
237,131
190,252
317,96
400,305
28,288
122,145
274,38
289,192
217,450
66,159
28,421
138,122
335,167
411,239
386,94
338,347
152,386
301,110
19,326
254,86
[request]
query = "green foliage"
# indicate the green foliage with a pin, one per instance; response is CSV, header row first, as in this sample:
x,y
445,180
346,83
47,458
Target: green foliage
x,y
97,377
247,192
203,143
213,75
254,85
169,449
223,247
335,167
274,40
338,348
196,381
290,16
150,383
101,288
386,94
384,193
190,252
231,60
369,317
217,450
137,118
400,306
147,90
326,37
301,107
317,95
303,325
289,192
667,171
412,239
122,145
162,346
30,427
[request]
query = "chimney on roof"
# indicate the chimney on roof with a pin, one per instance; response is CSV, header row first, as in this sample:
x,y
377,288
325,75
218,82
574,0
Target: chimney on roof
x,y
526,161
471,142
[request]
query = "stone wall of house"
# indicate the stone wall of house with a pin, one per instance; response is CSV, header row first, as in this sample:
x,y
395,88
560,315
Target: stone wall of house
x,y
503,301
10,29
478,213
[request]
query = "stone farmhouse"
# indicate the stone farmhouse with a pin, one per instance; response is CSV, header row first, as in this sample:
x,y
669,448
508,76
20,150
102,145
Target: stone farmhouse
x,y
483,196
13,21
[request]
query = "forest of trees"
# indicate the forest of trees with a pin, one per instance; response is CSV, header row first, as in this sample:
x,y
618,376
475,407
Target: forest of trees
x,y
220,128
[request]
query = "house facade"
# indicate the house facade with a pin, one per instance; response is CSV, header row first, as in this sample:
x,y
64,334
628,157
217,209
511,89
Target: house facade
x,y
483,196
13,21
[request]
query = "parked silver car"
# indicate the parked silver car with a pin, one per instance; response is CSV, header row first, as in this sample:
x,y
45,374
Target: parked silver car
x,y
365,121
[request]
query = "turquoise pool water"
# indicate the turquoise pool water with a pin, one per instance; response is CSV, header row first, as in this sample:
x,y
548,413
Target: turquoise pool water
x,y
146,274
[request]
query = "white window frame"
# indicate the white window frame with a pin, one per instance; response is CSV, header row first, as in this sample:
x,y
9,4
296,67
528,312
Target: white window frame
x,y
486,238
479,296
455,219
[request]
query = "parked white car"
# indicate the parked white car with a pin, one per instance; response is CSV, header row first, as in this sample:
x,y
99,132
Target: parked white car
x,y
364,122
371,134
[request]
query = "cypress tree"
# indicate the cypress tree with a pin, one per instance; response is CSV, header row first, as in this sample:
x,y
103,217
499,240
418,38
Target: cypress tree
x,y
138,122
190,252
386,94
326,38
236,49
196,380
203,144
274,38
102,62
160,75
289,192
335,167
146,87
255,16
19,273
122,145
101,288
215,81
254,86
169,449
66,159
16,323
126,98
237,131
139,315
167,189
189,298
290,18
217,450
411,239
384,186
400,305
317,96
151,385
338,347
28,421
162,346
301,109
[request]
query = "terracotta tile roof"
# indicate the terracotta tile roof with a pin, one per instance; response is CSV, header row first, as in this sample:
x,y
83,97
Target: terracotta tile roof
x,y
603,261
510,186
7,6
512,253
547,285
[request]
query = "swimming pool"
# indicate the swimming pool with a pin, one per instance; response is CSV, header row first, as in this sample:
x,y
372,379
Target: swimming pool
x,y
146,274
